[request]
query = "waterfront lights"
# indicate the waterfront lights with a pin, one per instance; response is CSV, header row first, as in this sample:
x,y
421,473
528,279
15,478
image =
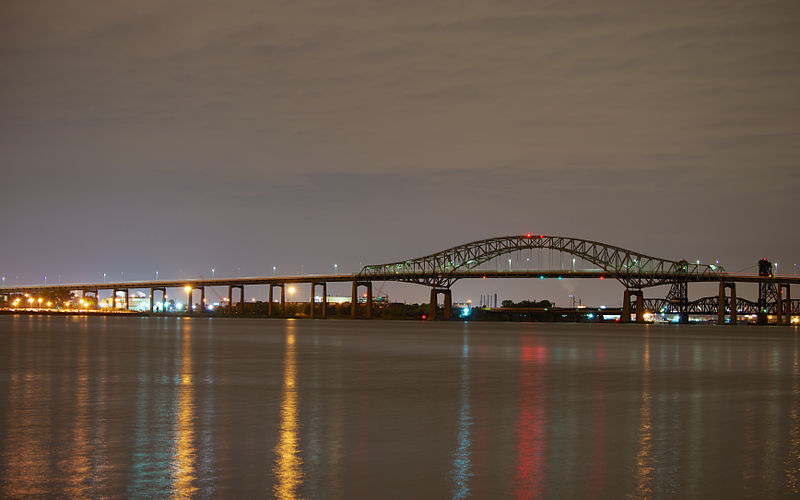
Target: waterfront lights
x,y
291,290
187,289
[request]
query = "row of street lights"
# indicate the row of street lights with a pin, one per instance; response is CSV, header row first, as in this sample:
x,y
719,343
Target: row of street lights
x,y
275,272
213,274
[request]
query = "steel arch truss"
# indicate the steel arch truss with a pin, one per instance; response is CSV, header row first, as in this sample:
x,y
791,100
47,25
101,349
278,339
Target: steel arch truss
x,y
632,269
710,306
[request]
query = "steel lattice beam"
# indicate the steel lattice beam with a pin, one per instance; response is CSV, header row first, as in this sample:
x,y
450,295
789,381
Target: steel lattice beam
x,y
632,269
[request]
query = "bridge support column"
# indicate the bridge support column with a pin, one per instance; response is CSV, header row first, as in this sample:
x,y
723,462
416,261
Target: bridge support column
x,y
724,303
230,299
779,306
369,299
767,296
269,301
787,301
448,303
189,299
203,300
639,306
354,300
126,298
678,298
241,299
626,307
324,301
283,300
311,303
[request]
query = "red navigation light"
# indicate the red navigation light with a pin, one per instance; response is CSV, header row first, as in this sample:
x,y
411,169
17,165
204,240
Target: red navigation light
x,y
424,317
541,236
602,277
484,277
528,235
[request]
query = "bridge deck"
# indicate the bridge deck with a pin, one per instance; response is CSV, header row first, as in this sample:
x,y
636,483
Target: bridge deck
x,y
339,278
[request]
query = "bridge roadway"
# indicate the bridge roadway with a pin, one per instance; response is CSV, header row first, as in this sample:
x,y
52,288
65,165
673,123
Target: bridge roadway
x,y
192,285
441,270
342,278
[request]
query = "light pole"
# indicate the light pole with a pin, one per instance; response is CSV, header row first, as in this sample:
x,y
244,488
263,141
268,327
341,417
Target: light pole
x,y
156,274
335,268
212,273
301,269
45,279
274,270
104,277
509,265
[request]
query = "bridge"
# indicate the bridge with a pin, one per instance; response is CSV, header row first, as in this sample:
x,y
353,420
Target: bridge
x,y
479,260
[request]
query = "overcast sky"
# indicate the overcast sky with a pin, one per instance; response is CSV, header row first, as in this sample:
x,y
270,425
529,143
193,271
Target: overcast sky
x,y
181,136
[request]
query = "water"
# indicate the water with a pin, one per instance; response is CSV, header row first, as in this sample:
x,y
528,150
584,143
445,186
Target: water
x,y
155,407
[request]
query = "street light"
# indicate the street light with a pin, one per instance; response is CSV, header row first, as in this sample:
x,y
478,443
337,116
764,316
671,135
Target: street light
x,y
104,277
274,270
212,273
335,269
156,273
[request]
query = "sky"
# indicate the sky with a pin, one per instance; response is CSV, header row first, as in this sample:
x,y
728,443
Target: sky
x,y
188,135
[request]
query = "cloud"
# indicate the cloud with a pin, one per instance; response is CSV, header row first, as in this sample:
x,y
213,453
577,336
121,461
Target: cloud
x,y
607,119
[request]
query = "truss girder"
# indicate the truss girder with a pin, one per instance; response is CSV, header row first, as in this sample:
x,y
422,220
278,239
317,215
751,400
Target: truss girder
x,y
710,306
633,269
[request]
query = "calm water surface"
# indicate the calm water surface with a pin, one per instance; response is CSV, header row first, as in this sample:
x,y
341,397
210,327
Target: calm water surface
x,y
157,407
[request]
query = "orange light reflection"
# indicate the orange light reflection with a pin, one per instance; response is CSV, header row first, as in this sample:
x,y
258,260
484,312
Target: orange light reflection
x,y
184,454
288,464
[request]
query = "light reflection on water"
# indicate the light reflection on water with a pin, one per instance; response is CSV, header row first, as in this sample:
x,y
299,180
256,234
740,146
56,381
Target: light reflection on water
x,y
462,467
792,462
531,427
644,461
288,464
184,455
138,407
